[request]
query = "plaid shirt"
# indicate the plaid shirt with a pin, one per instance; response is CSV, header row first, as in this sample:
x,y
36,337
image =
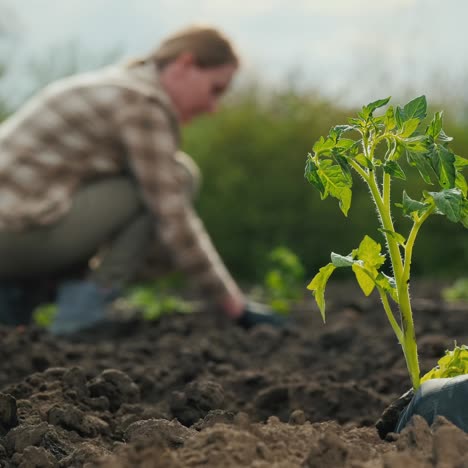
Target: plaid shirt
x,y
98,124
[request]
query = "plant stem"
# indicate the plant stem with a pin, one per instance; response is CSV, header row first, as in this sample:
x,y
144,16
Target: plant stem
x,y
391,317
400,271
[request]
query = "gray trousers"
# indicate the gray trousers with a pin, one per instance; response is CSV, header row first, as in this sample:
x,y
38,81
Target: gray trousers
x,y
108,213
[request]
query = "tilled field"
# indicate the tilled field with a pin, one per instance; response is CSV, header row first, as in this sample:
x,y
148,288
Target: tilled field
x,y
195,390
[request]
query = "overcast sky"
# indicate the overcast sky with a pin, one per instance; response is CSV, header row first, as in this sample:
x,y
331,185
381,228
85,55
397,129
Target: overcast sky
x,y
364,49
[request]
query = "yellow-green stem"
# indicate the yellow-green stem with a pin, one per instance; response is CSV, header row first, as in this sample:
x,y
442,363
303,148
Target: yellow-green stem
x,y
401,274
390,316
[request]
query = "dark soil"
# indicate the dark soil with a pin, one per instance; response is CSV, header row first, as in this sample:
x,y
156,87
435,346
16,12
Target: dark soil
x,y
195,390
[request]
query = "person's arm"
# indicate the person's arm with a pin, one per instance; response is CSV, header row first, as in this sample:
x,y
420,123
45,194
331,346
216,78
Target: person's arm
x,y
151,145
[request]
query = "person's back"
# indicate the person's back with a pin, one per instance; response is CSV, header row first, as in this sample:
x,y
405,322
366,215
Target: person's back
x,y
67,133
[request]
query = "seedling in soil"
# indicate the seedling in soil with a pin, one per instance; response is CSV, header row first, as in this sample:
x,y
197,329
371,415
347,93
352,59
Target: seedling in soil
x,y
154,301
455,362
457,292
283,279
330,167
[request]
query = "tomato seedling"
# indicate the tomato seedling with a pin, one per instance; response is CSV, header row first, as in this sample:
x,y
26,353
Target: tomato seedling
x,y
330,167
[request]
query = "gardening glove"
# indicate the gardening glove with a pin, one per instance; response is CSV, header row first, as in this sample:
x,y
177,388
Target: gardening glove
x,y
389,418
257,314
439,397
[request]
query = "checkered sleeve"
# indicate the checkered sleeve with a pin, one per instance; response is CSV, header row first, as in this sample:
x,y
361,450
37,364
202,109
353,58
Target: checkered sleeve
x,y
151,146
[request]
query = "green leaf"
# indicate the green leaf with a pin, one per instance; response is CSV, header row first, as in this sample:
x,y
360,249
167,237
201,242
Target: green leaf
x,y
311,174
363,161
336,184
408,128
398,237
370,108
388,284
416,109
464,213
460,163
345,168
365,281
394,169
410,206
399,117
369,260
389,119
443,163
454,363
323,146
422,164
338,130
435,127
460,183
449,203
340,261
318,284
369,252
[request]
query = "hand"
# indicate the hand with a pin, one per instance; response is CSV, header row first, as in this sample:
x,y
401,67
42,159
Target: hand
x,y
257,314
389,418
445,397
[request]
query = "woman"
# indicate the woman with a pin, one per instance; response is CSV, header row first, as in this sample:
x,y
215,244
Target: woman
x,y
93,160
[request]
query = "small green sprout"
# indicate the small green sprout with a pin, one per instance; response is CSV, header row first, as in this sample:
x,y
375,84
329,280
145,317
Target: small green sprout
x,y
330,167
283,279
454,363
153,301
44,315
457,292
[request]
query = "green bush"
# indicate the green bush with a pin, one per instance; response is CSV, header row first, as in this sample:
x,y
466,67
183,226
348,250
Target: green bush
x,y
254,196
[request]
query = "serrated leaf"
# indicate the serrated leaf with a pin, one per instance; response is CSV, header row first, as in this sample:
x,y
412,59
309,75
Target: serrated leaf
x,y
422,164
443,163
340,261
345,143
454,363
318,285
369,253
323,146
460,162
388,284
416,109
345,168
399,117
410,206
408,128
395,235
394,169
336,184
416,144
363,161
356,122
449,203
365,282
435,127
460,183
371,107
311,174
389,119
338,130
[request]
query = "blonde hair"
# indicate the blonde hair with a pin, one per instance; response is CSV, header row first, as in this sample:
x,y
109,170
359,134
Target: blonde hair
x,y
209,47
